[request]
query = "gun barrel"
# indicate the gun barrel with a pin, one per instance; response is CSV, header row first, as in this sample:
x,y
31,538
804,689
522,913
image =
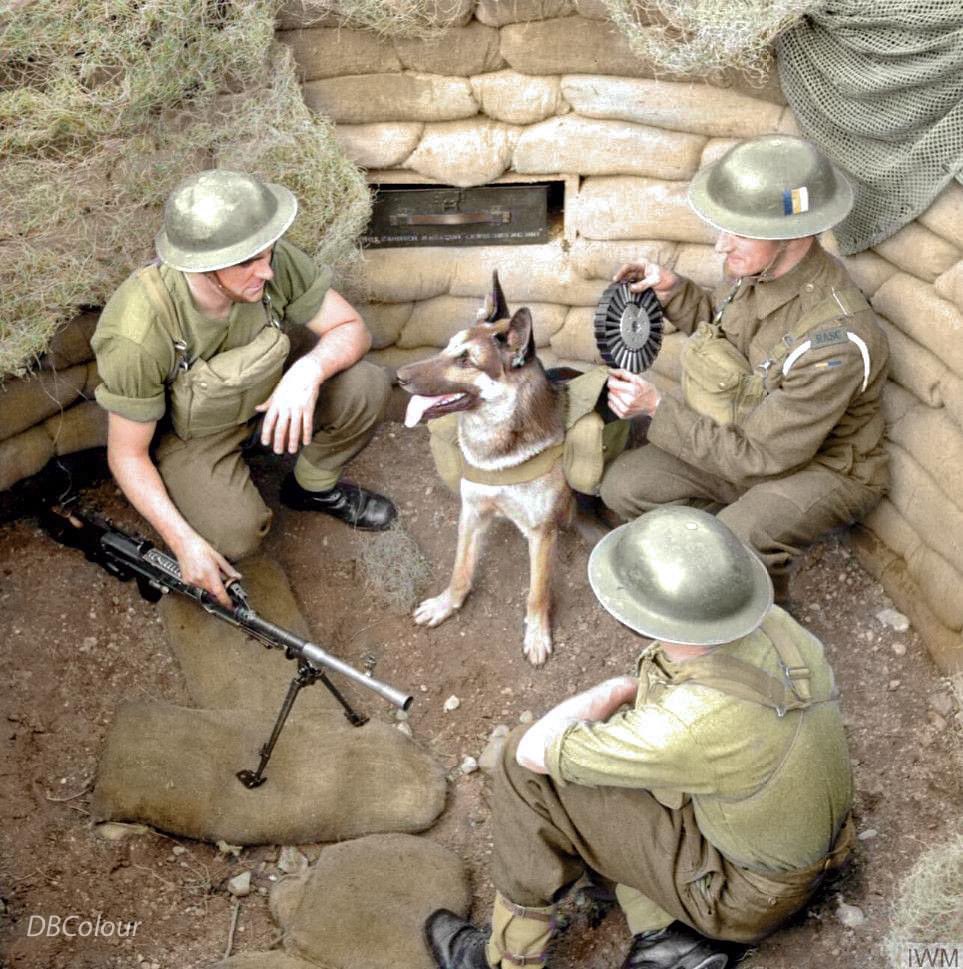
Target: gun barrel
x,y
318,656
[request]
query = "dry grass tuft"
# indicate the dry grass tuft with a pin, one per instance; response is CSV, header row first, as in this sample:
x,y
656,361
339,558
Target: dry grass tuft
x,y
399,18
104,107
394,567
705,37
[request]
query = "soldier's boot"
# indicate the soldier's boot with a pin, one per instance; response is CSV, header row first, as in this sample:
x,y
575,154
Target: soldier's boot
x,y
454,942
674,947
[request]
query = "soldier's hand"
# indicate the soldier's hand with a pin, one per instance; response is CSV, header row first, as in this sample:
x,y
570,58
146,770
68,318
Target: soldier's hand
x,y
202,565
649,275
631,395
289,412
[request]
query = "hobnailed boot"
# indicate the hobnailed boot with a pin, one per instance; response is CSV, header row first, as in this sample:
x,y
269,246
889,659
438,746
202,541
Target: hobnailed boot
x,y
355,506
674,947
454,942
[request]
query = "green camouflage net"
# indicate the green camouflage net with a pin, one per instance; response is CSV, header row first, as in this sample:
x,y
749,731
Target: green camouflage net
x,y
879,87
705,37
104,107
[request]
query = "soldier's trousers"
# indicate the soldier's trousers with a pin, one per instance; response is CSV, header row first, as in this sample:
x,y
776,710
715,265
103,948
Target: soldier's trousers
x,y
547,836
210,483
777,518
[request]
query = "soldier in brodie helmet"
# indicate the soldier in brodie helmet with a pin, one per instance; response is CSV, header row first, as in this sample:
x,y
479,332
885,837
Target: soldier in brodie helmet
x,y
780,425
197,348
713,790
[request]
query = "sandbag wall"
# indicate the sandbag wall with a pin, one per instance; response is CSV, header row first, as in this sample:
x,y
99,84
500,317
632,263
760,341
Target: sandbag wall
x,y
52,411
547,89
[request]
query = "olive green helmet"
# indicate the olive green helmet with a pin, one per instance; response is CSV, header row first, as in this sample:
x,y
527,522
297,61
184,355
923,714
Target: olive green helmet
x,y
773,187
680,575
218,218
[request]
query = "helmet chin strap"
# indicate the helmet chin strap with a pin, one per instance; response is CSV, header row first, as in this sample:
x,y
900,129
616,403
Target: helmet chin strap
x,y
212,277
765,274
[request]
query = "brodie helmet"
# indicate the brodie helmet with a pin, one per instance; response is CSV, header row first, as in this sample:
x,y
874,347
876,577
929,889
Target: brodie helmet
x,y
772,187
219,218
680,575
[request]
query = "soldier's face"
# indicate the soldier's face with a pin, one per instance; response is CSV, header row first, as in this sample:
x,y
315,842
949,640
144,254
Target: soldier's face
x,y
246,281
746,257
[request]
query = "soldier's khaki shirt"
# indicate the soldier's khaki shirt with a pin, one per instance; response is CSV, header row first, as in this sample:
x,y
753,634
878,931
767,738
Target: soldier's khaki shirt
x,y
769,792
136,355
818,412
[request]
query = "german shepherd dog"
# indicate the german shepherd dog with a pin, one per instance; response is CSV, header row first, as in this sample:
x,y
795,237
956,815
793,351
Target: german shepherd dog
x,y
508,412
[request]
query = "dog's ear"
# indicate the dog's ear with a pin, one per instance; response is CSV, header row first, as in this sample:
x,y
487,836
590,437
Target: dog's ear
x,y
520,337
496,307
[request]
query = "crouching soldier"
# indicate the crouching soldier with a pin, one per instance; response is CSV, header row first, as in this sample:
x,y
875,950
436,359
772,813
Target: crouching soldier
x,y
713,790
780,425
196,349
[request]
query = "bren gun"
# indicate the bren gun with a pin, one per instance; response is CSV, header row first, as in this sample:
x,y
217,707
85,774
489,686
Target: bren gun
x,y
130,557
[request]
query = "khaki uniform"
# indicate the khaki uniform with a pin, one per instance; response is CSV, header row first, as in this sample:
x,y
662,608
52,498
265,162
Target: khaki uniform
x,y
203,469
809,457
701,806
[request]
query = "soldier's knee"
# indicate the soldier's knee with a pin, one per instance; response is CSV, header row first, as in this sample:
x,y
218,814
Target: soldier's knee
x,y
364,390
614,491
241,535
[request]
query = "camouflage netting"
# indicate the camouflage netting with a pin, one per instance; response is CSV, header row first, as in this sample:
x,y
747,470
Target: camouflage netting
x,y
104,107
879,87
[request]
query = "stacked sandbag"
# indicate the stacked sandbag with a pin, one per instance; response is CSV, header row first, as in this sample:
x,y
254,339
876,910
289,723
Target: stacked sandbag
x,y
52,411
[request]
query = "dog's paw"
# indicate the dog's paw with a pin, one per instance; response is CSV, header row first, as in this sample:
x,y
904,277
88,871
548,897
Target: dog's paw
x,y
538,642
434,611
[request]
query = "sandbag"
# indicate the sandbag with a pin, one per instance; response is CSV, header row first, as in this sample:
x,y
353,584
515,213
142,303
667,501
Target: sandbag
x,y
92,381
385,321
945,646
297,14
23,455
27,401
322,52
367,98
923,315
700,263
952,390
913,366
669,361
896,402
364,902
409,275
458,52
78,428
922,502
940,583
517,98
527,273
679,106
392,358
575,44
626,207
496,13
434,321
173,768
379,145
224,669
715,148
597,259
868,270
918,251
590,146
950,285
464,153
945,215
71,344
576,339
935,443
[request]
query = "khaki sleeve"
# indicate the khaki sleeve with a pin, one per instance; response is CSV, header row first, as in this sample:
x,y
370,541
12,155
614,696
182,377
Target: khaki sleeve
x,y
781,435
690,305
133,381
647,747
300,284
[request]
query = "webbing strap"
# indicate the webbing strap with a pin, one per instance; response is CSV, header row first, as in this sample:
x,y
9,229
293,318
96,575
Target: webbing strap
x,y
529,470
149,276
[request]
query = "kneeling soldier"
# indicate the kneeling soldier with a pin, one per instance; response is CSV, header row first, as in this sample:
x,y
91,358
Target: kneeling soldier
x,y
194,349
713,790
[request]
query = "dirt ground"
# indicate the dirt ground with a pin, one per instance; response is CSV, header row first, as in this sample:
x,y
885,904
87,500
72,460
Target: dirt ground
x,y
77,643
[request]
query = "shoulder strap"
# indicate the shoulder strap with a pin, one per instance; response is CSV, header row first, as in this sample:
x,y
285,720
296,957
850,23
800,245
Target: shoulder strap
x,y
149,276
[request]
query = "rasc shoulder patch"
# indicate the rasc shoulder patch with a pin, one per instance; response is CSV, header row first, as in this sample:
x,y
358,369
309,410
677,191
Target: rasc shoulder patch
x,y
828,338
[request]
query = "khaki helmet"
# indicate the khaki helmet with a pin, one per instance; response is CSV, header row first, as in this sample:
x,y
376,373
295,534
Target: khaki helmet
x,y
773,187
680,575
218,218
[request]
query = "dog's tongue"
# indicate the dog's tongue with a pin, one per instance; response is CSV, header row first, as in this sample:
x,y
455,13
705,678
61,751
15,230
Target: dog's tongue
x,y
417,407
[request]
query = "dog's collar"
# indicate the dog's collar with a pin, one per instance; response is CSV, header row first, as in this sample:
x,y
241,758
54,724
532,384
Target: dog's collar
x,y
529,470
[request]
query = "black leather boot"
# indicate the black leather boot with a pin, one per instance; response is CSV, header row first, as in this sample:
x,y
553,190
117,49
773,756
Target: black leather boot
x,y
345,501
674,947
454,942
